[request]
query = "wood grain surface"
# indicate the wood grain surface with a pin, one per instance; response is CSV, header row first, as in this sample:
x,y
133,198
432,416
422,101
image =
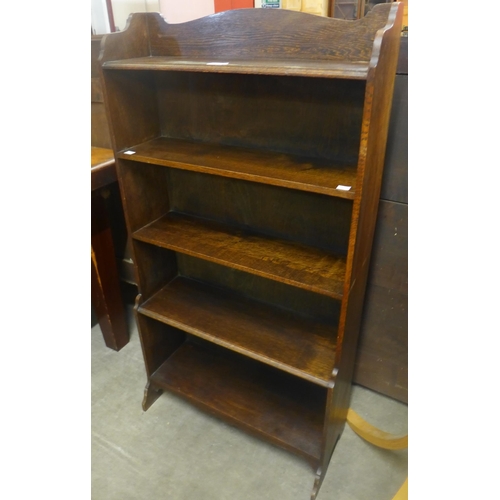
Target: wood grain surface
x,y
298,345
285,410
297,265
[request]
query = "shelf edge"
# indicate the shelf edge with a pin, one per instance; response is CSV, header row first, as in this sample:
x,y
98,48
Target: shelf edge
x,y
228,345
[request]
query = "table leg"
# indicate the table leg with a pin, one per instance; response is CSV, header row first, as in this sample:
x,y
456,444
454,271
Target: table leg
x,y
106,294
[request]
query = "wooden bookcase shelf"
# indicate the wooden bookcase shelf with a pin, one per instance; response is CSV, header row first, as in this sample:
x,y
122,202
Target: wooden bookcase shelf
x,y
353,70
294,264
250,167
283,409
316,175
302,346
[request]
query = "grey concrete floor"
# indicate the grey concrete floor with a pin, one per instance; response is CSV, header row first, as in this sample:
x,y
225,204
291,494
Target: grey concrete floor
x,y
176,452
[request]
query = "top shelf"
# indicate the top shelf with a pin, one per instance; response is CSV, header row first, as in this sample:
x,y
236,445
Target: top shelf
x,y
284,67
253,41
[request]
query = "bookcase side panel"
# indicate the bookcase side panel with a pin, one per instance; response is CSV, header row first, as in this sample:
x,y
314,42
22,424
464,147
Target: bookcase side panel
x,y
377,107
378,103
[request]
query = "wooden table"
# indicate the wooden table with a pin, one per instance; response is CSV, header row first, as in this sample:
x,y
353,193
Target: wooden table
x,y
106,294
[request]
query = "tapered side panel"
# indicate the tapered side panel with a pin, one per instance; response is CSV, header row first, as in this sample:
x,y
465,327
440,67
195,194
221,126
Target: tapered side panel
x,y
378,102
378,99
370,168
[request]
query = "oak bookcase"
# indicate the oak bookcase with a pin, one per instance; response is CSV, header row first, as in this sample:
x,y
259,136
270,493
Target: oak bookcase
x,y
249,148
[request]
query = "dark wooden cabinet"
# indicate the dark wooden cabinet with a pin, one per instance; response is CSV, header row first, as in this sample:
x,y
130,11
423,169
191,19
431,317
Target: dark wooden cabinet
x,y
250,148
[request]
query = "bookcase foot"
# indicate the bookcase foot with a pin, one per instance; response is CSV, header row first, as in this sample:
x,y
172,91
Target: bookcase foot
x,y
151,394
317,483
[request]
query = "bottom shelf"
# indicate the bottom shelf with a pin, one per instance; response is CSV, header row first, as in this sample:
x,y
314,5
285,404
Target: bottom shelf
x,y
285,410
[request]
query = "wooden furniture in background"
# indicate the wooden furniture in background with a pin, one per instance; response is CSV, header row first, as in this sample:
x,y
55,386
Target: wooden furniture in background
x,y
100,137
105,284
250,167
106,209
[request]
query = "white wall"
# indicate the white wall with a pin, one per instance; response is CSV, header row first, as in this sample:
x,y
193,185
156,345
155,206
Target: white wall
x,y
123,8
175,11
99,15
